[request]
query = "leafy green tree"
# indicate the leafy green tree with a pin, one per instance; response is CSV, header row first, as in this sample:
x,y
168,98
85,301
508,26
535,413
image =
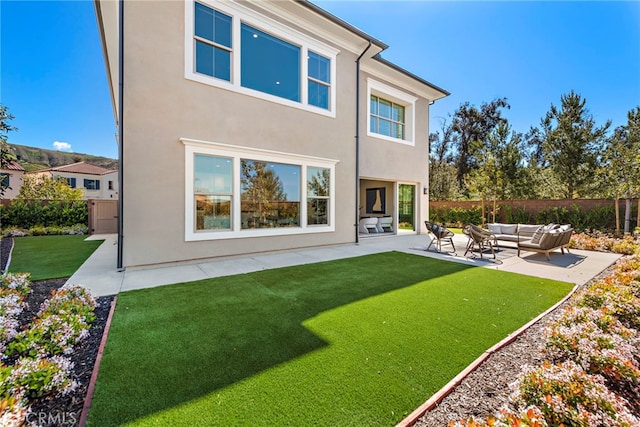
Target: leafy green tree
x,y
42,187
570,143
621,163
443,184
471,126
6,156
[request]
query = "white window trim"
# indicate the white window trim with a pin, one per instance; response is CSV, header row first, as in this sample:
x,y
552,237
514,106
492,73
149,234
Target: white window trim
x,y
193,146
242,14
389,93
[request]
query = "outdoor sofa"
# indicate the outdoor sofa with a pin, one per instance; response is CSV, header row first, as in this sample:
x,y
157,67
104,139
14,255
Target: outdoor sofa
x,y
534,238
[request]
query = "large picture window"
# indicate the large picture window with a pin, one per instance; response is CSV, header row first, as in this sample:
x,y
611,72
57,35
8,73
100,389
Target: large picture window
x,y
270,194
269,64
235,192
236,48
213,177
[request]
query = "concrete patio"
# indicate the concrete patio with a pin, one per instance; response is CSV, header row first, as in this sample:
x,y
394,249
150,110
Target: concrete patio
x,y
99,272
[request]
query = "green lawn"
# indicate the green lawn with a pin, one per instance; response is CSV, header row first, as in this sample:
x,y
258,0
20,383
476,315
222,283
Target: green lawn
x,y
50,257
359,341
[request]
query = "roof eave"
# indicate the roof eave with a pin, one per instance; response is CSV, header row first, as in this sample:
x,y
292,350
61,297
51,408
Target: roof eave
x,y
390,64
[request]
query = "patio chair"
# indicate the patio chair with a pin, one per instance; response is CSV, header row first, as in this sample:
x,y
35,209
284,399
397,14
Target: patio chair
x,y
481,238
440,235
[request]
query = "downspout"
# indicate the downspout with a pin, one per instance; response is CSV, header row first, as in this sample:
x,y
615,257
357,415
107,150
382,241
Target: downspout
x,y
120,130
358,141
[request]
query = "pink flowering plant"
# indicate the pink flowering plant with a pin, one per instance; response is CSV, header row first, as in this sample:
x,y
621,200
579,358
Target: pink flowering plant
x,y
596,341
16,282
598,241
29,378
38,365
567,395
528,417
72,300
12,412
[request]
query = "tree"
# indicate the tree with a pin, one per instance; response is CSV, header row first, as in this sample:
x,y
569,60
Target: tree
x,y
442,172
471,125
571,144
262,189
621,163
6,157
41,187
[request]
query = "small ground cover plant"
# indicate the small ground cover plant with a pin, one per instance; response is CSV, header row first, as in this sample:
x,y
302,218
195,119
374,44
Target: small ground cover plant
x,y
34,362
592,375
592,240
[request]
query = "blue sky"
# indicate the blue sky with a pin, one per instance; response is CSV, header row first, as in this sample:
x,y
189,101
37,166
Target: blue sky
x,y
52,75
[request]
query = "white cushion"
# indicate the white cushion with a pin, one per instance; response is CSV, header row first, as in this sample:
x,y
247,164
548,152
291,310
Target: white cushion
x,y
508,229
495,228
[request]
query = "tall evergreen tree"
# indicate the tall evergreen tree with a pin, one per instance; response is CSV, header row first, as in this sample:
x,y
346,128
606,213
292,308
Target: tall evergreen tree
x,y
571,143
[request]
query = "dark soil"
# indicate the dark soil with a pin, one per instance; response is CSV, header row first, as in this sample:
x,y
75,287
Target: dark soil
x,y
5,249
66,410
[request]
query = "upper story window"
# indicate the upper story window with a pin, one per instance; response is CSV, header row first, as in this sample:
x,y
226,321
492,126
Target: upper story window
x,y
212,37
269,65
92,184
387,118
319,84
391,113
236,48
71,182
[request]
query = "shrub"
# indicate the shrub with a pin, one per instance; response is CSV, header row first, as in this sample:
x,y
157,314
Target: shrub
x,y
12,411
596,341
17,282
567,395
29,378
28,214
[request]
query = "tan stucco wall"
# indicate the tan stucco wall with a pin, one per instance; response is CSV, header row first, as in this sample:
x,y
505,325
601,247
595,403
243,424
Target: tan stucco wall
x,y
161,106
387,160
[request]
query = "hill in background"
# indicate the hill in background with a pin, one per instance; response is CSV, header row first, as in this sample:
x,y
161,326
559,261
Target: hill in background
x,y
33,158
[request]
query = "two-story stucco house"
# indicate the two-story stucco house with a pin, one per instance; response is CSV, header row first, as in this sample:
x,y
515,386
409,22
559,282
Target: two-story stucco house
x,y
250,126
95,182
11,178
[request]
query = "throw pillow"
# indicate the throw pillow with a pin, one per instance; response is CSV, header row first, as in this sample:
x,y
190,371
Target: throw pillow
x,y
537,235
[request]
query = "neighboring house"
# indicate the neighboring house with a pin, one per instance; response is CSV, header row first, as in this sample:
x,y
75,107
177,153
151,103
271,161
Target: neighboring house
x,y
94,181
256,126
12,177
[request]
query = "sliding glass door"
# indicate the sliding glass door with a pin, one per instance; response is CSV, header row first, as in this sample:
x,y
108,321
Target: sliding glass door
x,y
406,207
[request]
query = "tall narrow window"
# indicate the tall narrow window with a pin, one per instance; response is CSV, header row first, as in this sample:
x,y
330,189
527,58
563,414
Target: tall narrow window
x,y
71,182
270,194
387,118
212,42
319,84
213,192
269,64
318,189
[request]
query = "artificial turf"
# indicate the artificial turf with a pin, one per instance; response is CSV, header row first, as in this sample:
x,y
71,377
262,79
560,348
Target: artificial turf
x,y
359,341
50,257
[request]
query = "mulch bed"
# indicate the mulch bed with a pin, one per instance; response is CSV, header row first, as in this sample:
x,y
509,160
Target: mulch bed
x,y
66,410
